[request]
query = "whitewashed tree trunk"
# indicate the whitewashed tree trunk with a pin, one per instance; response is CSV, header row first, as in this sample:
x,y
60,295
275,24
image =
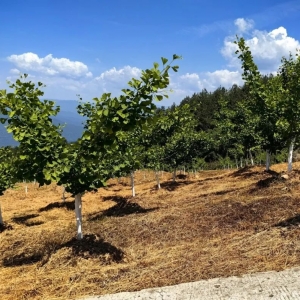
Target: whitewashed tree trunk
x,y
241,162
251,158
157,179
132,183
26,189
268,160
1,218
174,175
78,212
236,162
290,155
63,194
183,170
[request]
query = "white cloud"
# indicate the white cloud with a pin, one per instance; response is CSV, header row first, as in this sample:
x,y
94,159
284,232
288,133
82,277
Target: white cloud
x,y
114,80
190,83
243,25
14,71
267,48
126,73
49,65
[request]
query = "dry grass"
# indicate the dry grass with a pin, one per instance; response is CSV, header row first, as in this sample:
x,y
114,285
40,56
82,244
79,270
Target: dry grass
x,y
221,223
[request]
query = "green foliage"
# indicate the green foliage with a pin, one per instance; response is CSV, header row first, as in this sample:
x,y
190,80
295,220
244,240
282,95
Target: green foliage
x,y
29,120
7,169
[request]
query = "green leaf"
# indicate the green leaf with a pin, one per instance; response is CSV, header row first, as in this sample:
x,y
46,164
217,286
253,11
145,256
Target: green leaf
x,y
164,60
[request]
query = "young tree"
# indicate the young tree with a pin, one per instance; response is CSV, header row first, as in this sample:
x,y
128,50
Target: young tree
x,y
84,167
7,173
289,102
263,102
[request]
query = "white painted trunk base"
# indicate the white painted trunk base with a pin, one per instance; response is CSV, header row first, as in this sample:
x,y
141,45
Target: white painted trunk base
x,y
132,183
63,194
157,179
290,156
78,212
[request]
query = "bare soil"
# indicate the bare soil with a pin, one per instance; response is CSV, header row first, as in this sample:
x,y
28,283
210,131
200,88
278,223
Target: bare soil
x,y
218,223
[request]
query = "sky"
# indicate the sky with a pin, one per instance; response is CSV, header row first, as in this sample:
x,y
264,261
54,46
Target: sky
x,y
89,47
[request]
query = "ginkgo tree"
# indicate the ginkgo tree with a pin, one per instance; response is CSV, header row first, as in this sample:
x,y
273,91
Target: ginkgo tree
x,y
7,173
263,101
289,102
29,121
107,118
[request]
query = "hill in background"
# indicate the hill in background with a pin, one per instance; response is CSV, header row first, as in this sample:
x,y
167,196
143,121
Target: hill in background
x,y
68,115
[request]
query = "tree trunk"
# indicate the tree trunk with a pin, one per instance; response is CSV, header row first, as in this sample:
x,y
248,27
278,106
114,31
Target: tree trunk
x,y
157,179
268,160
132,183
290,155
241,163
174,175
63,194
251,158
1,218
78,212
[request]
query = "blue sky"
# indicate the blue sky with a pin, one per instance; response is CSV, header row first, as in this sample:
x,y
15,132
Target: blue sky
x,y
89,47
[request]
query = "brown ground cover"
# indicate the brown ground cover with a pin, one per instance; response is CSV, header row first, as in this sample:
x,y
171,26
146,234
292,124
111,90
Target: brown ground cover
x,y
220,223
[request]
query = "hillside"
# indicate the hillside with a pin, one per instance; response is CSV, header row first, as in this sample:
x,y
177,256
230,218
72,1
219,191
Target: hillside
x,y
219,223
68,115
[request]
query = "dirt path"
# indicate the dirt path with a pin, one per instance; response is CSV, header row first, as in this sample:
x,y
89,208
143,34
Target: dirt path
x,y
283,285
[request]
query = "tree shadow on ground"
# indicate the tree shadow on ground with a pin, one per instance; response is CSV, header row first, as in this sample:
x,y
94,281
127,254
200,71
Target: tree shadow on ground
x,y
68,205
91,246
172,186
212,178
26,220
22,259
222,192
4,227
245,172
182,176
122,208
293,221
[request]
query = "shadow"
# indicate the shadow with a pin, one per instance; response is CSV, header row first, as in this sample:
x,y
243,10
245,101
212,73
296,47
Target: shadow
x,y
68,205
172,186
294,221
4,227
181,176
115,198
22,259
213,178
245,172
24,219
123,208
34,223
91,246
223,192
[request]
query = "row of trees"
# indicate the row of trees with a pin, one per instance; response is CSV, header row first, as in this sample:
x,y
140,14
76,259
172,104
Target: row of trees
x,y
45,156
125,133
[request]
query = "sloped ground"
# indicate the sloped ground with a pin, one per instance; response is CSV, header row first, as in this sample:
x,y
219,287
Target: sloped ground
x,y
221,223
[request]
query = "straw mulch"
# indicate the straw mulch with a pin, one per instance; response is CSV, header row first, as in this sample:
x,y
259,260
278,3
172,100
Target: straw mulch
x,y
219,223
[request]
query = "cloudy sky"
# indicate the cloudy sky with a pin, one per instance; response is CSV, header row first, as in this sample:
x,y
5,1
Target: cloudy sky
x,y
88,47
